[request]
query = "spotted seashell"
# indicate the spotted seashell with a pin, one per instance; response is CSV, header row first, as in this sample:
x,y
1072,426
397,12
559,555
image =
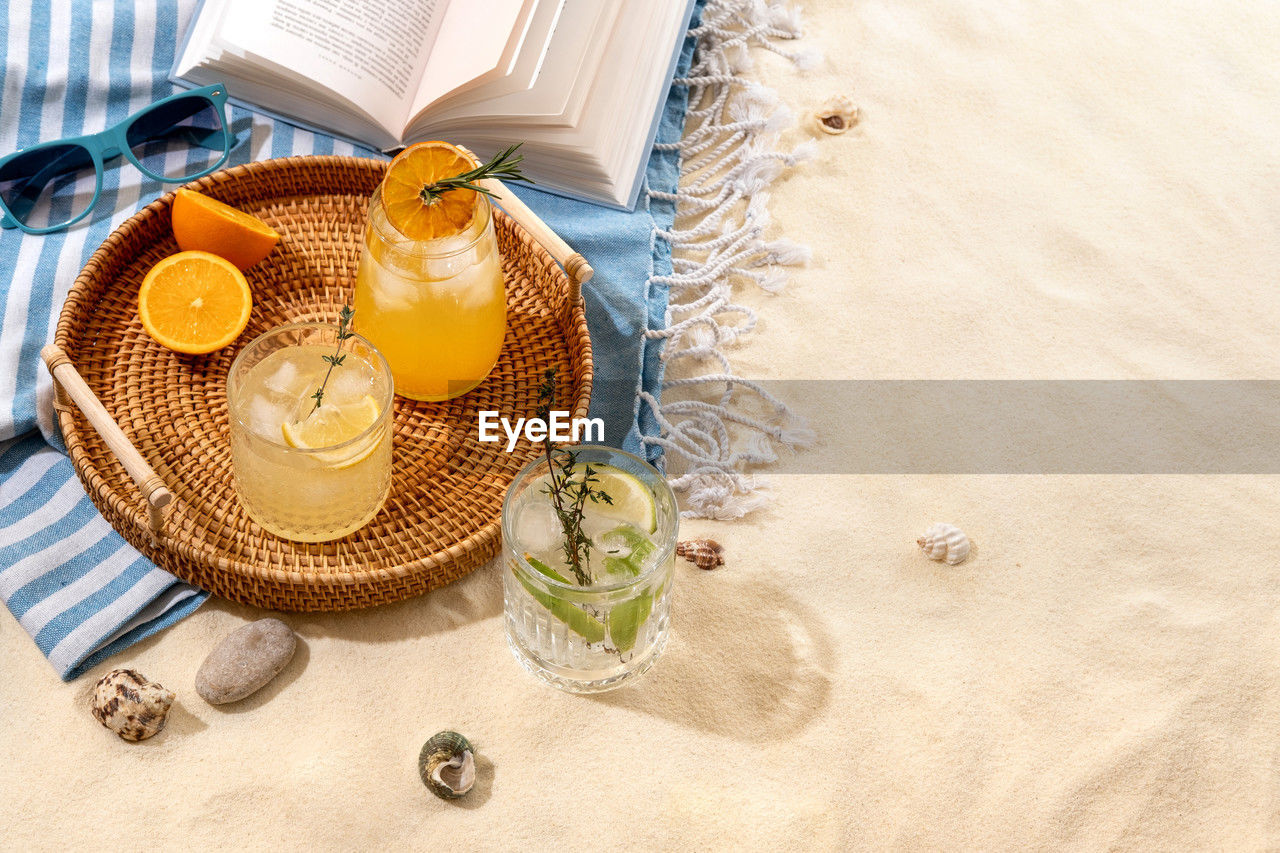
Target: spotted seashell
x,y
837,115
945,542
447,765
130,705
703,553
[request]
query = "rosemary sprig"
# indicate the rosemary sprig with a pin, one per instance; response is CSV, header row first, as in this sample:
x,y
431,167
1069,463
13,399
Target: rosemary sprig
x,y
505,165
569,494
335,360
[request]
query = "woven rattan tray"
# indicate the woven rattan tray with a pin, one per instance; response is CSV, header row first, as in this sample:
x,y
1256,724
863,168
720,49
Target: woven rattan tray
x,y
442,517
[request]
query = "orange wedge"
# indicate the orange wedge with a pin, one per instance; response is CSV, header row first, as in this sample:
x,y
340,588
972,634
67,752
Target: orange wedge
x,y
418,166
203,224
194,302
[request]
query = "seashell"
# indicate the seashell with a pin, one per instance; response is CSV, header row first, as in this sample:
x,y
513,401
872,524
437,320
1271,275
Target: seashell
x,y
837,115
130,705
703,553
945,542
447,765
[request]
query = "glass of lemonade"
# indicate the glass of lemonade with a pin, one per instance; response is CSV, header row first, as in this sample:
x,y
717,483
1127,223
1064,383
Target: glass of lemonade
x,y
308,473
436,308
590,637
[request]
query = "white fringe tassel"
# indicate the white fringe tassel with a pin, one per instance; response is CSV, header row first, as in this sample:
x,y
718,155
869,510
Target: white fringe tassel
x,y
729,158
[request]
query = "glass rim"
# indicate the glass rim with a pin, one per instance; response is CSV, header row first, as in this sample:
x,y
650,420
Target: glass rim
x,y
664,552
391,236
386,408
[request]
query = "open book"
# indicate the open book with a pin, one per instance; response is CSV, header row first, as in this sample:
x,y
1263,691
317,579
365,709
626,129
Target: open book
x,y
579,82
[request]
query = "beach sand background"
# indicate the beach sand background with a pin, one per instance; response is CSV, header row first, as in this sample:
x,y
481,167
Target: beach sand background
x,y
1048,190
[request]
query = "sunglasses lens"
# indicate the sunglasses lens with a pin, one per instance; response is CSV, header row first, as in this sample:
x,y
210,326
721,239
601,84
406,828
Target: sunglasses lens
x,y
49,185
178,139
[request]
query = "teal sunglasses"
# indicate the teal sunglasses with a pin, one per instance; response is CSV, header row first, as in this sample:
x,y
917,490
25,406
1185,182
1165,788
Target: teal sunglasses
x,y
46,187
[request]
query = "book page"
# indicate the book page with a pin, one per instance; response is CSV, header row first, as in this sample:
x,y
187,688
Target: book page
x,y
477,40
370,53
528,61
602,155
545,31
570,63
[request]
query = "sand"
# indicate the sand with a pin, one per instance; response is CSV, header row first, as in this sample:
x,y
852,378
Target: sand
x,y
1036,190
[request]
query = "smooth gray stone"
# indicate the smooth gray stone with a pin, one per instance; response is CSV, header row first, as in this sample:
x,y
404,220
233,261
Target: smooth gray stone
x,y
245,661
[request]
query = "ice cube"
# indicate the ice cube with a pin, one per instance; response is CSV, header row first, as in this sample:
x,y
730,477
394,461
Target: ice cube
x,y
265,416
537,528
595,524
440,270
449,244
391,292
283,379
624,550
612,543
348,383
479,286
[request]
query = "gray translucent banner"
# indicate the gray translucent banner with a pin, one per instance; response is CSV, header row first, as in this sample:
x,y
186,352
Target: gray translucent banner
x,y
1027,427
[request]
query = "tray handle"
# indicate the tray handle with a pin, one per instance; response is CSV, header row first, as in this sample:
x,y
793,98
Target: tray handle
x,y
69,386
575,265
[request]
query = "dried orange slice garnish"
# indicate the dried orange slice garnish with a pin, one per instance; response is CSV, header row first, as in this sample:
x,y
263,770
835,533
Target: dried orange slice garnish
x,y
194,302
205,224
411,211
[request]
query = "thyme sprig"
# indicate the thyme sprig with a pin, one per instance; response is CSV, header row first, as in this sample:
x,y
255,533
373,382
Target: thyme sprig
x,y
338,357
569,491
505,165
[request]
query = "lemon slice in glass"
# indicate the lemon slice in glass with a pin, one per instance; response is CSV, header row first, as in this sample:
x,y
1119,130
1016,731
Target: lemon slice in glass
x,y
331,425
632,500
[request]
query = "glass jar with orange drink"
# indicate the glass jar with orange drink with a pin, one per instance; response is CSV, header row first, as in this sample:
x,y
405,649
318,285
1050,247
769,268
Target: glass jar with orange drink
x,y
429,293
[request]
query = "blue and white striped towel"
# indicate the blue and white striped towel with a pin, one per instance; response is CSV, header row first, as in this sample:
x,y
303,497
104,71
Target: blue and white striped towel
x,y
77,588
73,67
76,66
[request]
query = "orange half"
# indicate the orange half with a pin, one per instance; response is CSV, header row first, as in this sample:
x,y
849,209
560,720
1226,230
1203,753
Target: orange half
x,y
413,169
205,224
194,302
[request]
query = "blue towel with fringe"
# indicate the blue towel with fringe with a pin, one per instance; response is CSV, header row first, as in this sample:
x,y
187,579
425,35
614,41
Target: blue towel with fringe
x,y
73,67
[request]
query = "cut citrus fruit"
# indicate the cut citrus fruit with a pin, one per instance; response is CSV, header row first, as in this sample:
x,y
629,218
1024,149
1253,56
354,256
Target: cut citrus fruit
x,y
194,302
631,499
331,425
204,224
639,546
419,166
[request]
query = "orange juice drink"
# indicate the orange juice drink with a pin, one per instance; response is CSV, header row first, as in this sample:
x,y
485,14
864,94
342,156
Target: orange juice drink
x,y
429,292
436,309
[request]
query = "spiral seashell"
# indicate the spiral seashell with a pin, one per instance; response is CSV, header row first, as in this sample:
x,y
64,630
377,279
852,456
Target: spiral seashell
x,y
447,765
837,115
945,542
703,553
130,705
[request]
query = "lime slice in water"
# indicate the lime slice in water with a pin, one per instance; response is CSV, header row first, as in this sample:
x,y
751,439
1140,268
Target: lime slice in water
x,y
625,619
631,499
638,546
578,620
